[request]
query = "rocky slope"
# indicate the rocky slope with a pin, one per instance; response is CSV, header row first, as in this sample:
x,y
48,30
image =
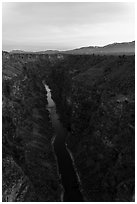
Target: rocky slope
x,y
97,106
27,139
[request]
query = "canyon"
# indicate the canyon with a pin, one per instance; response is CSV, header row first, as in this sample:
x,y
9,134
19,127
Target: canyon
x,y
68,127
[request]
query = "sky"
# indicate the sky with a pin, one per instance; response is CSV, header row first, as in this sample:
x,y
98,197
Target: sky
x,y
35,26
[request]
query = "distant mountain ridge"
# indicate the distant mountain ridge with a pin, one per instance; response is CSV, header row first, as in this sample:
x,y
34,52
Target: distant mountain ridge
x,y
126,47
114,48
17,51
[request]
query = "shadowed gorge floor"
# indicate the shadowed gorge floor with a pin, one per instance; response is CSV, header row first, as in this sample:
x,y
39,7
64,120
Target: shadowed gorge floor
x,y
65,164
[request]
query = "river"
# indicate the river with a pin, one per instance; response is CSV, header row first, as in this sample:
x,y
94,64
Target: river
x,y
67,170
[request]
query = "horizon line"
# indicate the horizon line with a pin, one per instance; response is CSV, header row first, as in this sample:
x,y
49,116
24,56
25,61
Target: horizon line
x,y
111,43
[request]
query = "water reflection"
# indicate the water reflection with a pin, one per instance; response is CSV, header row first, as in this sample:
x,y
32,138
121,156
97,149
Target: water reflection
x,y
51,103
65,161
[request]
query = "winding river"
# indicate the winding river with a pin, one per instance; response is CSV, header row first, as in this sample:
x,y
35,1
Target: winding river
x,y
67,170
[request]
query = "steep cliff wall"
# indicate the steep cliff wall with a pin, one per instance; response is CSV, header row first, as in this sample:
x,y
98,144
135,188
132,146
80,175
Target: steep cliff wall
x,y
27,139
101,123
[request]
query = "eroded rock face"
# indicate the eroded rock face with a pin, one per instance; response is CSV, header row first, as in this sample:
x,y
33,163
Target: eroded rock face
x,y
27,136
103,146
101,119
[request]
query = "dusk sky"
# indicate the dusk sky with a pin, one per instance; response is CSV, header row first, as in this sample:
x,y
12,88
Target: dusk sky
x,y
62,26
